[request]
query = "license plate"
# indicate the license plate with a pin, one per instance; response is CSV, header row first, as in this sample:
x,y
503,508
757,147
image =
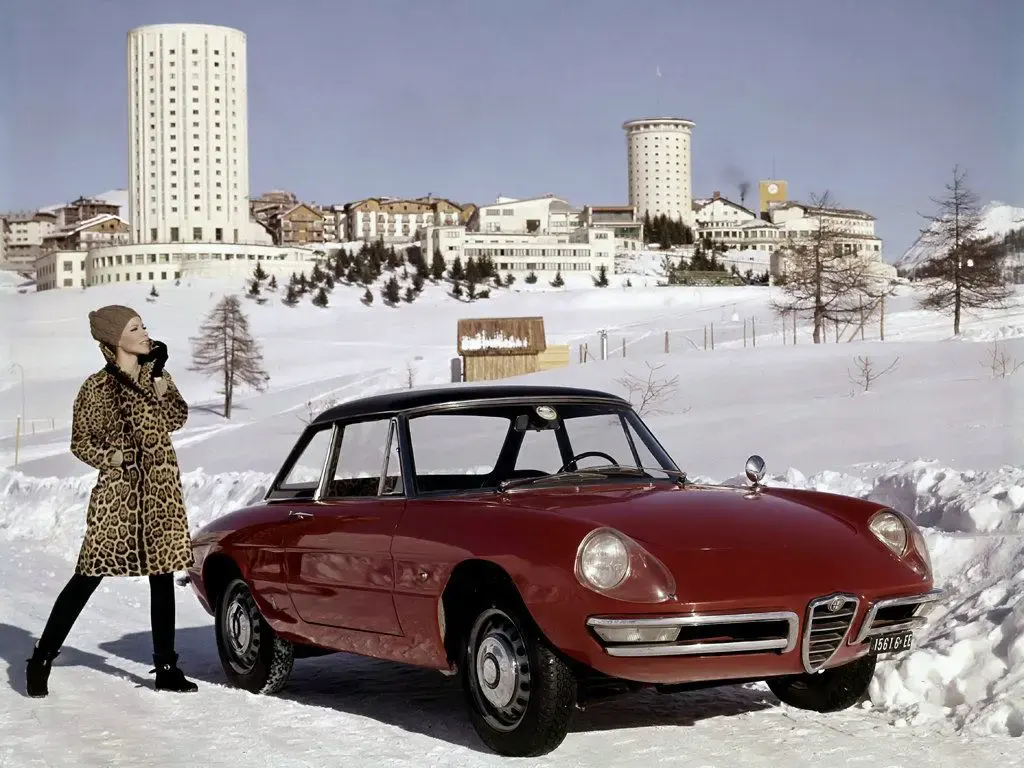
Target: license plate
x,y
894,643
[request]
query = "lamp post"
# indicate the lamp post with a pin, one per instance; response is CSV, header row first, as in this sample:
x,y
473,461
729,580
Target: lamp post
x,y
21,416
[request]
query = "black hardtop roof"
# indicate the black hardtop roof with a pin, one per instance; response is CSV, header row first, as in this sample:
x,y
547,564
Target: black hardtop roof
x,y
409,399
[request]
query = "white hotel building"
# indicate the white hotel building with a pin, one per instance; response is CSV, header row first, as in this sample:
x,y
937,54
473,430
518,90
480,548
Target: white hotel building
x,y
543,235
188,164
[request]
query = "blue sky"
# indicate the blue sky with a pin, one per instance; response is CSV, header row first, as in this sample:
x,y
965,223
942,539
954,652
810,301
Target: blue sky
x,y
470,99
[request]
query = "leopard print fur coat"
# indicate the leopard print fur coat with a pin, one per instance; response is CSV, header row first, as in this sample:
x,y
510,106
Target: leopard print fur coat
x,y
136,524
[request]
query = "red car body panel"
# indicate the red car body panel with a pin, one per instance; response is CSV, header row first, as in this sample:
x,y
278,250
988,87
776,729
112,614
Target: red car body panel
x,y
367,575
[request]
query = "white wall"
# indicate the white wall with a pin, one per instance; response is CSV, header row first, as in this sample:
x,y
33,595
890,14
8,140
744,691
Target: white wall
x,y
160,262
586,251
512,216
188,156
719,212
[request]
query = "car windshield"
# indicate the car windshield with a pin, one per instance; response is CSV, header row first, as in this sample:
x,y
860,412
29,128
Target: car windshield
x,y
501,446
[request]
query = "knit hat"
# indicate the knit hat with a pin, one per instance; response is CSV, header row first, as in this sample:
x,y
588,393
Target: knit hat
x,y
108,323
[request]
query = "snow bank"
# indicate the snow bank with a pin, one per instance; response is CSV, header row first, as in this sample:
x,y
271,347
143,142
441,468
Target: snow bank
x,y
968,669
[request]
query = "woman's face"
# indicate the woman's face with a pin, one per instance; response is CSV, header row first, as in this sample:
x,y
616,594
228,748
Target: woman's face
x,y
135,338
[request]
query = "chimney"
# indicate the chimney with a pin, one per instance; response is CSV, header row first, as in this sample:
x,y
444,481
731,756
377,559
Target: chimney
x,y
715,195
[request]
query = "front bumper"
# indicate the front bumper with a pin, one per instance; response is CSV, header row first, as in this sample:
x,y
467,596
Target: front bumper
x,y
833,630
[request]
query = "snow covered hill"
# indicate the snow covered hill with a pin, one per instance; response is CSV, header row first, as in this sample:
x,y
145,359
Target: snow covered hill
x,y
909,442
997,219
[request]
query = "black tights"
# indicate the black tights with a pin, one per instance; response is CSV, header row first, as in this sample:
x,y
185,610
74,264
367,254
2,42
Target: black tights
x,y
79,589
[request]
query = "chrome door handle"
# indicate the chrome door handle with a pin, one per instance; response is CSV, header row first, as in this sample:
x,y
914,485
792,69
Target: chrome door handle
x,y
300,515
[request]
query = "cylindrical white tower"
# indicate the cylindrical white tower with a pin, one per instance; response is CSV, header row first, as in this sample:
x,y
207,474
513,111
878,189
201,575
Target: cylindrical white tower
x,y
658,152
188,148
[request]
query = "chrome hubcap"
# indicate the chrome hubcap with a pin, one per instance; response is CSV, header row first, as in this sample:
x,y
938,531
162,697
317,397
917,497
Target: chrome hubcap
x,y
241,632
497,669
501,668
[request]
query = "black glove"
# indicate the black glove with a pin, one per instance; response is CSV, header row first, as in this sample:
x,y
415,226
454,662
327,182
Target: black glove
x,y
158,354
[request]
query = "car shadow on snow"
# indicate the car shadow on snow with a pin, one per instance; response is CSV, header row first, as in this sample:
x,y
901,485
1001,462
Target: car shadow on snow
x,y
16,646
424,701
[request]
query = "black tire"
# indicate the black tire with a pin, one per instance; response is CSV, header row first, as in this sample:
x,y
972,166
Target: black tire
x,y
526,712
254,658
828,691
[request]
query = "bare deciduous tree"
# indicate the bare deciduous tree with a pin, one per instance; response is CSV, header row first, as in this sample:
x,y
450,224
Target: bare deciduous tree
x,y
317,406
867,373
966,268
225,347
1000,363
823,276
647,395
410,375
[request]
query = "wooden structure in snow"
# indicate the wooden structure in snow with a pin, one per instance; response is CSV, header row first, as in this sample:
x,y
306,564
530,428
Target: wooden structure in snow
x,y
499,347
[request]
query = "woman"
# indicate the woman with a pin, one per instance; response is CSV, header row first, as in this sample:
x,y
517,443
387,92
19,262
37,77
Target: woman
x,y
136,523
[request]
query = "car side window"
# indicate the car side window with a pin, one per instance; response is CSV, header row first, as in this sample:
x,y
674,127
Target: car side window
x,y
362,450
304,475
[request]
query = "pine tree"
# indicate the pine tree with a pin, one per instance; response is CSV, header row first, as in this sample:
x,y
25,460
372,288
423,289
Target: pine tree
x,y
509,279
152,291
601,281
457,290
320,300
531,278
558,282
329,281
259,274
291,296
226,348
367,298
472,270
437,267
457,273
254,288
417,282
391,292
272,285
410,294
317,275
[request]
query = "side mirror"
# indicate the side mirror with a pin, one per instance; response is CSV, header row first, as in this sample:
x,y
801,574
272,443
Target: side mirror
x,y
754,469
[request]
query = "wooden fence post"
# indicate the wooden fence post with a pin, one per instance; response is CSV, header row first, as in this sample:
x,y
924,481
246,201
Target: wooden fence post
x,y
881,320
753,332
705,338
744,333
666,342
623,346
17,439
712,337
794,326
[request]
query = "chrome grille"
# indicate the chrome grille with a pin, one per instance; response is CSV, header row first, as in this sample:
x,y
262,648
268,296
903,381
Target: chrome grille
x,y
828,621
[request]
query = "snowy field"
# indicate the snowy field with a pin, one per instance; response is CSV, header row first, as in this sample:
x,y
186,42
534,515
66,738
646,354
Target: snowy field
x,y
938,437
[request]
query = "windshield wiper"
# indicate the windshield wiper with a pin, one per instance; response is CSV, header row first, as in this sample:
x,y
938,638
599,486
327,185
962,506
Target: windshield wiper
x,y
604,470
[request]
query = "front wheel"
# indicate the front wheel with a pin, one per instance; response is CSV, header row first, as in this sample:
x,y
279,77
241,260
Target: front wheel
x,y
520,694
828,691
253,656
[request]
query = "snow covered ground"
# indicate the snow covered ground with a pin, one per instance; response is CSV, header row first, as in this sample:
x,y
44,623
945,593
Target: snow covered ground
x,y
939,437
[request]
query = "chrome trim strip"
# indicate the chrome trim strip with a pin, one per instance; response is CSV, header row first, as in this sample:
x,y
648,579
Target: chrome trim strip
x,y
332,452
805,645
783,644
866,628
695,649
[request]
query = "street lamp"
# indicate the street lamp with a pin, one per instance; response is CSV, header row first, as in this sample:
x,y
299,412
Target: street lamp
x,y
21,371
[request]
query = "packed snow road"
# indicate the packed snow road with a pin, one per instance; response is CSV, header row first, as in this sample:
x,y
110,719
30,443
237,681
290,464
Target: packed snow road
x,y
343,709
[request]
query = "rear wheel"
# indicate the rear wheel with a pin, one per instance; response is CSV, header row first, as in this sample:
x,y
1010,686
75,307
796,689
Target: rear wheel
x,y
520,694
828,691
253,656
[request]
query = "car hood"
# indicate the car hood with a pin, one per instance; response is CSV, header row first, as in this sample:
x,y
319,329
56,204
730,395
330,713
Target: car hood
x,y
717,536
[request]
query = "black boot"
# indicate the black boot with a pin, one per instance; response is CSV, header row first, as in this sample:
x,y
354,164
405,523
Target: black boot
x,y
38,672
169,677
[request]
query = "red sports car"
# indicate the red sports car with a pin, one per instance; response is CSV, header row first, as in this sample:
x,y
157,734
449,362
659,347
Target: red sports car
x,y
541,543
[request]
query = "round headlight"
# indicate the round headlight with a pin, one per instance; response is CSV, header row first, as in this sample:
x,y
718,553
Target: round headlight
x,y
890,530
604,560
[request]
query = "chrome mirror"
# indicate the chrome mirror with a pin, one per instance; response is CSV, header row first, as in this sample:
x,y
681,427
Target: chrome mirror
x,y
754,469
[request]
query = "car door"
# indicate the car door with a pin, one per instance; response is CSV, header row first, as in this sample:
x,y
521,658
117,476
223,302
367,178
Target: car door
x,y
339,568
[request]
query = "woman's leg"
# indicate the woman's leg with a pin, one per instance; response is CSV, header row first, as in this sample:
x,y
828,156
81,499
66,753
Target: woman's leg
x,y
168,676
65,612
161,613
